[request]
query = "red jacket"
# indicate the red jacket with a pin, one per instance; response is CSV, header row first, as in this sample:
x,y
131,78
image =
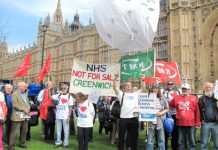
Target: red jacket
x,y
187,110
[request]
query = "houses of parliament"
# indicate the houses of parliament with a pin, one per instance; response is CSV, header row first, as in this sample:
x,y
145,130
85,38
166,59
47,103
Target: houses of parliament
x,y
187,33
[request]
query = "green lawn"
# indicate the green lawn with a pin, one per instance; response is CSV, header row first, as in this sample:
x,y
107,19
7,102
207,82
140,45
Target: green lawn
x,y
100,142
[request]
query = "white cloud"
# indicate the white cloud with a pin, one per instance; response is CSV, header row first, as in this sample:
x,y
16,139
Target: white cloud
x,y
41,8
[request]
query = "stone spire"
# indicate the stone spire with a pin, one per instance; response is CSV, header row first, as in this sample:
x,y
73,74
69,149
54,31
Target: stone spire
x,y
58,14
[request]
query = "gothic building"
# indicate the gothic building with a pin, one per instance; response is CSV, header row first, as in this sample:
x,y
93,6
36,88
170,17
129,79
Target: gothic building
x,y
187,34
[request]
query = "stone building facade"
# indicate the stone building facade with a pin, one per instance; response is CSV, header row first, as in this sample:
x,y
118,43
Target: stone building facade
x,y
187,34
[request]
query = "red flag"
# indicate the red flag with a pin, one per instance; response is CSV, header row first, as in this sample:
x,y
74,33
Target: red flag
x,y
165,71
23,68
44,70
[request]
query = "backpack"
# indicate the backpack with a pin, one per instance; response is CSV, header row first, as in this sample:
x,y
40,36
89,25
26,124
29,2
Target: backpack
x,y
116,109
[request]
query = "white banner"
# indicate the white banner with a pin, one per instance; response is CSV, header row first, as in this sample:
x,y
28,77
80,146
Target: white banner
x,y
86,77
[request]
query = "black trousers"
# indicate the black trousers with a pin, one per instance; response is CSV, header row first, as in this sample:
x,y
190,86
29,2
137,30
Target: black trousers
x,y
83,137
72,124
174,135
49,129
130,126
101,126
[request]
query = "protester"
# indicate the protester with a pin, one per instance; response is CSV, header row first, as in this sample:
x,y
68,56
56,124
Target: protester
x,y
156,128
114,121
63,112
128,122
86,114
3,113
103,114
20,116
169,93
47,112
8,100
187,117
208,106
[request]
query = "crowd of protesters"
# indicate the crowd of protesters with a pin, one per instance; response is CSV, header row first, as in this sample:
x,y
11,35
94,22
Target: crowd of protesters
x,y
58,109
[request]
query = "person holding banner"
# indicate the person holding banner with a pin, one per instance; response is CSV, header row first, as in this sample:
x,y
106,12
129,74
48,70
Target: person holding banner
x,y
187,117
208,106
155,129
128,123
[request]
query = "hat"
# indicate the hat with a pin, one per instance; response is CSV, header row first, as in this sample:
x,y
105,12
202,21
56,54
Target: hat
x,y
170,82
155,86
185,86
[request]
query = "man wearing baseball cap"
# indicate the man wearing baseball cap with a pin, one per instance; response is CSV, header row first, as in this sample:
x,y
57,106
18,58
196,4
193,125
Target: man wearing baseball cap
x,y
187,116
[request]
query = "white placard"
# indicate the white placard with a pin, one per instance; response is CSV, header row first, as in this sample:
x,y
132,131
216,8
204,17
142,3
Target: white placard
x,y
216,90
93,96
147,107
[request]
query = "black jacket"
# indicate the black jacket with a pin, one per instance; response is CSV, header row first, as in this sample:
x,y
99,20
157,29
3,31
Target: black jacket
x,y
202,102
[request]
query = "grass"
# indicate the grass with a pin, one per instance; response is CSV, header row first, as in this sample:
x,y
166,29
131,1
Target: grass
x,y
100,142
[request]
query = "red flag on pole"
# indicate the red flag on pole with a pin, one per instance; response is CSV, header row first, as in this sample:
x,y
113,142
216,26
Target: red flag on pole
x,y
45,69
165,71
23,68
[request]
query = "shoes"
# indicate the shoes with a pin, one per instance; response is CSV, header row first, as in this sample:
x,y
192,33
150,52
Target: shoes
x,y
57,145
22,146
66,146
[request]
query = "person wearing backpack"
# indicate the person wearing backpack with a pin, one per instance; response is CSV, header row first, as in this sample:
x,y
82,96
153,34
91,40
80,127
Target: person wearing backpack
x,y
169,93
208,106
64,106
103,114
128,122
113,118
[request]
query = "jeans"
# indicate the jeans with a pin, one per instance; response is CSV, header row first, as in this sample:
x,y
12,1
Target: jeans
x,y
187,131
208,129
152,132
65,124
129,125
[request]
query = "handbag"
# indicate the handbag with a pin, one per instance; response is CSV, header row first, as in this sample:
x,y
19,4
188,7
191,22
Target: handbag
x,y
34,118
168,123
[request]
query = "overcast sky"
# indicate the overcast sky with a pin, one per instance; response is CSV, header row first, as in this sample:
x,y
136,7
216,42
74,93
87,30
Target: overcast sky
x,y
19,18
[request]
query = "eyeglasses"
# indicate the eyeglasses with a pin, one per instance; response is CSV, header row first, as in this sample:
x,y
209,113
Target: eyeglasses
x,y
170,84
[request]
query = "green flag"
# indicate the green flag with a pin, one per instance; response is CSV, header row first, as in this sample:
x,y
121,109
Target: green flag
x,y
135,65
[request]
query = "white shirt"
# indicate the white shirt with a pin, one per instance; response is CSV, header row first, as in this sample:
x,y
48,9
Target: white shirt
x,y
64,102
40,96
130,107
2,97
86,114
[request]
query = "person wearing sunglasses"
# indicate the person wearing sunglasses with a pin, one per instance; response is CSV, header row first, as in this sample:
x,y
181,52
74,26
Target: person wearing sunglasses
x,y
169,93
